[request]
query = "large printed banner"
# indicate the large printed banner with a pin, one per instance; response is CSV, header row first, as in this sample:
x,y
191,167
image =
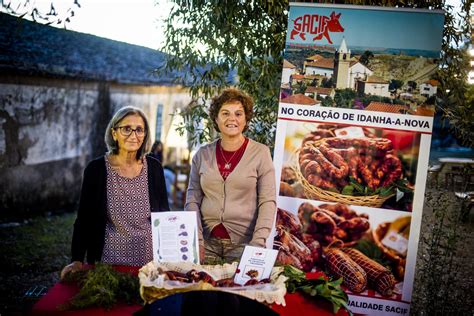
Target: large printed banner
x,y
352,146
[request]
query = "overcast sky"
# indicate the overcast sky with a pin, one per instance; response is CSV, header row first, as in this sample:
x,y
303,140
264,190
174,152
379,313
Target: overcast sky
x,y
132,21
135,22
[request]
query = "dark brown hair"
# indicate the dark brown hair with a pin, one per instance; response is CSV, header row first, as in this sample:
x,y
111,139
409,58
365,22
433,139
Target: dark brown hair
x,y
227,96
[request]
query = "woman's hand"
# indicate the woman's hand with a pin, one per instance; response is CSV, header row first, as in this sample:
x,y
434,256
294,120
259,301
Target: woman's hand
x,y
72,267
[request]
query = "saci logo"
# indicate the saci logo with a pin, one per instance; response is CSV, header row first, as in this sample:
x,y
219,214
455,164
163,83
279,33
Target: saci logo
x,y
315,24
172,218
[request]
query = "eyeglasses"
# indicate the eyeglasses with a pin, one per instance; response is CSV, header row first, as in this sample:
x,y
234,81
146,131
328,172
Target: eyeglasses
x,y
128,130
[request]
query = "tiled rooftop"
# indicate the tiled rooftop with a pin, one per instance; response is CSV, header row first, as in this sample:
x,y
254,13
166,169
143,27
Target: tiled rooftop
x,y
300,99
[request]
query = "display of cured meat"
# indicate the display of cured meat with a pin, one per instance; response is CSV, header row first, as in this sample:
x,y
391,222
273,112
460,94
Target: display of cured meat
x,y
358,270
329,163
304,213
340,264
379,277
322,131
328,223
289,222
194,276
294,249
322,236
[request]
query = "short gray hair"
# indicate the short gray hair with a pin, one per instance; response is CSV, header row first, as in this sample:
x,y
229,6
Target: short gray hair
x,y
112,145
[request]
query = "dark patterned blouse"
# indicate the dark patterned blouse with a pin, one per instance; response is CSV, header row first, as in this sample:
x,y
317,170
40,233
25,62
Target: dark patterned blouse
x,y
128,238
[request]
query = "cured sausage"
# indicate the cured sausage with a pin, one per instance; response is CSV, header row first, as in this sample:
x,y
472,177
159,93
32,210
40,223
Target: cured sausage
x,y
314,165
317,135
331,162
340,209
324,222
353,165
365,173
304,214
340,265
378,276
392,168
318,181
381,144
338,167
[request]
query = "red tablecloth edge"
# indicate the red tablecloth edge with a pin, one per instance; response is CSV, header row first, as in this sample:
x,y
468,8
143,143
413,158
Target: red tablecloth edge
x,y
126,269
60,293
301,305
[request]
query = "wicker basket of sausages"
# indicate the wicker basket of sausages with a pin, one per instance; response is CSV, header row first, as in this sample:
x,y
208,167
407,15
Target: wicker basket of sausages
x,y
356,171
159,280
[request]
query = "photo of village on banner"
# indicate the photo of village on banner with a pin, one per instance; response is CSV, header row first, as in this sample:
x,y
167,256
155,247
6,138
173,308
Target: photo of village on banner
x,y
352,148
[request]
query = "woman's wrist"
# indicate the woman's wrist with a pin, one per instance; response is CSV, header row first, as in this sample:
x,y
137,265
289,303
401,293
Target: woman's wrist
x,y
72,267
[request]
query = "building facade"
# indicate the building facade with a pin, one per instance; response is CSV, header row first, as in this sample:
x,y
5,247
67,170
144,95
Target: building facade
x,y
58,90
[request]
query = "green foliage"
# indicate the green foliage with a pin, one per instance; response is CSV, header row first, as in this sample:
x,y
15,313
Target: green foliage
x,y
456,98
104,287
301,89
327,83
249,36
354,188
212,39
365,58
46,14
395,84
327,101
452,74
317,288
344,98
371,250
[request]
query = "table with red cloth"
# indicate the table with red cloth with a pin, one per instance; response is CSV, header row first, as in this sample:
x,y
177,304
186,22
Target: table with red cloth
x,y
60,293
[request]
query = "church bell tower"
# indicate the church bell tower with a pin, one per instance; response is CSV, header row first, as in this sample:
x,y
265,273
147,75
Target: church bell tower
x,y
342,59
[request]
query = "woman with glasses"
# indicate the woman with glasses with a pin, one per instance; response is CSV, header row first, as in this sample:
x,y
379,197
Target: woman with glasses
x,y
232,184
119,191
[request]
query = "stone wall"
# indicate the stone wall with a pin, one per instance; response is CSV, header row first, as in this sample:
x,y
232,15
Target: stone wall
x,y
50,128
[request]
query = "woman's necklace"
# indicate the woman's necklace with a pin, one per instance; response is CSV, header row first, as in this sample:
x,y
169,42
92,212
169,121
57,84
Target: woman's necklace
x,y
130,171
228,163
127,171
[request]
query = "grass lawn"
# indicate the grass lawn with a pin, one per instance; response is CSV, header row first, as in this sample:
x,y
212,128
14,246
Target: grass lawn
x,y
33,253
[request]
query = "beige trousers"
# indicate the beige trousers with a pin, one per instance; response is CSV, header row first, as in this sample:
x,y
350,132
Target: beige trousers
x,y
220,251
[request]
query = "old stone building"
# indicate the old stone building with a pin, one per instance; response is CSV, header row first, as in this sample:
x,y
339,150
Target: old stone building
x,y
58,89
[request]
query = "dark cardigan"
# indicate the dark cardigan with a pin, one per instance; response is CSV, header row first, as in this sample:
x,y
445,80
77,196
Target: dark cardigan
x,y
89,228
